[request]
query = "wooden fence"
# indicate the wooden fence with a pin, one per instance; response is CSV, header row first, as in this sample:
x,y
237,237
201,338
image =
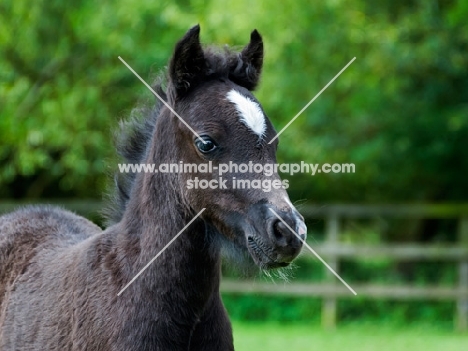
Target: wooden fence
x,y
332,250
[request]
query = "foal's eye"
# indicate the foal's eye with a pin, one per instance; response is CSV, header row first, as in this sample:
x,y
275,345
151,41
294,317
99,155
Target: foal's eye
x,y
207,146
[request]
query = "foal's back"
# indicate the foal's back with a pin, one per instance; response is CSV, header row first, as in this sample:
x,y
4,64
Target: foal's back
x,y
28,237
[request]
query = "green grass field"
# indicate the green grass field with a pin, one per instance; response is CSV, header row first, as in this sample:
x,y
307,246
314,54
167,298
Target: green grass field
x,y
277,337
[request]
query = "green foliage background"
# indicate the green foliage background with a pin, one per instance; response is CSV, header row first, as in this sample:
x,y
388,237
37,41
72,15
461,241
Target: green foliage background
x,y
399,112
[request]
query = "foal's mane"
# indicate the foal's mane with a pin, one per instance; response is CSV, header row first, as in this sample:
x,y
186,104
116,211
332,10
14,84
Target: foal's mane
x,y
134,135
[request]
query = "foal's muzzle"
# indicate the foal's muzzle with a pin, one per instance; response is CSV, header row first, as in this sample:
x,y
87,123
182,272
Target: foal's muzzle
x,y
277,235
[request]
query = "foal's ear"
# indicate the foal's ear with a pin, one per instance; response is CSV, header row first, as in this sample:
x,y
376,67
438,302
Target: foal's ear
x,y
187,64
246,70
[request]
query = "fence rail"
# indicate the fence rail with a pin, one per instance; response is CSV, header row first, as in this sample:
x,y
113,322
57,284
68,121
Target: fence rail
x,y
334,214
333,251
396,252
406,292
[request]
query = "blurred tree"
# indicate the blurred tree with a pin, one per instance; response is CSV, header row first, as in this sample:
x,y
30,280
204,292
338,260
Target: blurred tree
x,y
399,112
63,87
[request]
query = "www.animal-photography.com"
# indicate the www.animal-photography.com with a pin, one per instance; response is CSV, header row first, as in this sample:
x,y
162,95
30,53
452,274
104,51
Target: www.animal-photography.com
x,y
199,175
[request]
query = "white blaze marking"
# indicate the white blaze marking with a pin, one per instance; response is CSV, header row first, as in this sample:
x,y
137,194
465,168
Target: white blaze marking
x,y
249,111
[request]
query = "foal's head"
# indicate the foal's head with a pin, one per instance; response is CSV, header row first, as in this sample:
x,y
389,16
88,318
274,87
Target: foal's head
x,y
211,91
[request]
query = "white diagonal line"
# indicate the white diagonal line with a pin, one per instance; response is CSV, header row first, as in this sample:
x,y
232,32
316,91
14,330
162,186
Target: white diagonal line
x,y
311,101
160,252
315,253
160,98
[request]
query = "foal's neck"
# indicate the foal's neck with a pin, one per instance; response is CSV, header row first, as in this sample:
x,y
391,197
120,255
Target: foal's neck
x,y
155,214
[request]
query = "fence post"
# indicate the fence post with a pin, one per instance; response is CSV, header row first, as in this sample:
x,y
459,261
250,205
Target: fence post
x,y
329,305
462,302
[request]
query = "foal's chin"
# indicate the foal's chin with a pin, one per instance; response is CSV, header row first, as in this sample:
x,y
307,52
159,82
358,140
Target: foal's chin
x,y
267,256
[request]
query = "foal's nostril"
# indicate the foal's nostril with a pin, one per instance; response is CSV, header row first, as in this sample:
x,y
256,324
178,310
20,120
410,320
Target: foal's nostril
x,y
278,230
282,234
